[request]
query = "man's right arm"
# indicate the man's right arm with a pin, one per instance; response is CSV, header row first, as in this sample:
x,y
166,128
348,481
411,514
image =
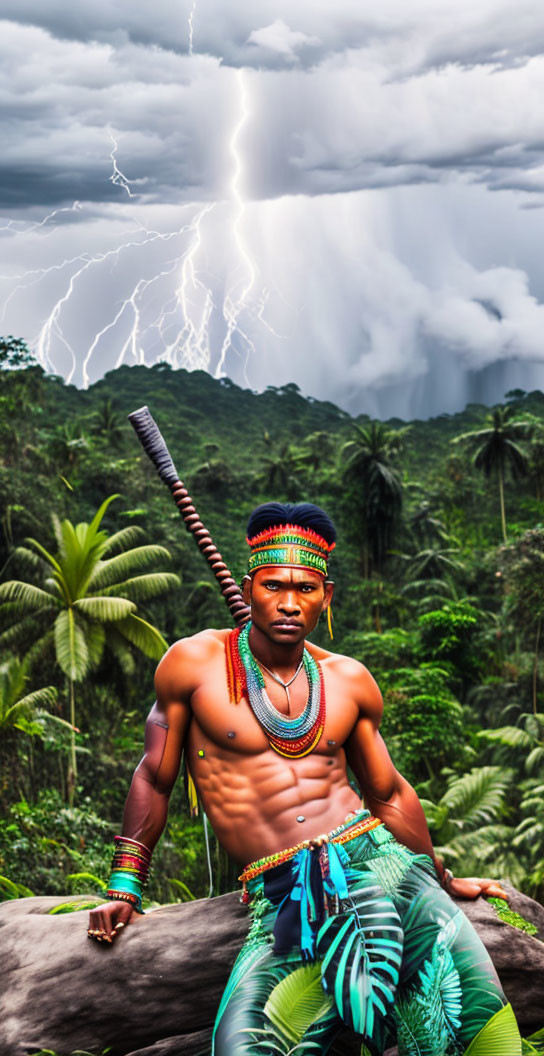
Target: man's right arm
x,y
146,807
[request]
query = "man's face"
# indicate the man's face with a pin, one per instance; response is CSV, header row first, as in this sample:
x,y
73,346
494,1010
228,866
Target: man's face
x,y
286,602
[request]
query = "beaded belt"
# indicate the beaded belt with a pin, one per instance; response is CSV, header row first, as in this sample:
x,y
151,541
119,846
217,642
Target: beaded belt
x,y
342,834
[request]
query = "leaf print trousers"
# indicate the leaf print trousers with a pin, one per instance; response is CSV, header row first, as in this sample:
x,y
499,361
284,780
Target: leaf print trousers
x,y
399,963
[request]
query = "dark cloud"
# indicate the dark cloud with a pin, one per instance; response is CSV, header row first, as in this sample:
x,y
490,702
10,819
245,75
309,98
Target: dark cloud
x,y
332,195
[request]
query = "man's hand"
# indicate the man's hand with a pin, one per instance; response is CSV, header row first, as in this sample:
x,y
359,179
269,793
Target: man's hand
x,y
472,886
107,920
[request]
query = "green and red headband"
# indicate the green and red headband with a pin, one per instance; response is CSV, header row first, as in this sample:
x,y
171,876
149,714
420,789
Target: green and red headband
x,y
290,545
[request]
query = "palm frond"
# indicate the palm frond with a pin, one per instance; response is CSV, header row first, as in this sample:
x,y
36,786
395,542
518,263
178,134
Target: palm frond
x,y
122,565
95,636
143,635
71,647
28,597
47,557
35,561
105,610
511,736
143,588
124,539
120,649
39,698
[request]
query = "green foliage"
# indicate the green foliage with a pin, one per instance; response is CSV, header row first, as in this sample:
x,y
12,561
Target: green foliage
x,y
381,652
44,841
22,710
15,354
510,917
65,450
10,889
534,1045
423,723
181,890
375,487
468,824
75,906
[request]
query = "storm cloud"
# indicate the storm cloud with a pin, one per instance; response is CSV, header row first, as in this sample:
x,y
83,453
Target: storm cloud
x,y
265,189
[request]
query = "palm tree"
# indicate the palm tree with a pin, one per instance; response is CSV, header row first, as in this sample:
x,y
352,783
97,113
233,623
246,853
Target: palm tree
x,y
369,464
280,470
535,467
498,451
426,529
105,422
86,601
522,565
318,448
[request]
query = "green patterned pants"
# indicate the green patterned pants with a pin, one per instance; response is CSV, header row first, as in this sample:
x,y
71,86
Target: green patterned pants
x,y
400,963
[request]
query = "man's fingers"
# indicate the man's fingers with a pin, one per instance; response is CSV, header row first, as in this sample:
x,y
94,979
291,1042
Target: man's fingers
x,y
490,887
494,890
105,926
464,888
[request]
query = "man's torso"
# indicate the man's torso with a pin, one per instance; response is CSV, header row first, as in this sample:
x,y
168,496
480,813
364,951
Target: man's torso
x,y
252,795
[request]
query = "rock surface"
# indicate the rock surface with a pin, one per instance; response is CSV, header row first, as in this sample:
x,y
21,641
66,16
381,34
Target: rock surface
x,y
155,991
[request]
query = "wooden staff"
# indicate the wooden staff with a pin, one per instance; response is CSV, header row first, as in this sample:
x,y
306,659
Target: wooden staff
x,y
153,443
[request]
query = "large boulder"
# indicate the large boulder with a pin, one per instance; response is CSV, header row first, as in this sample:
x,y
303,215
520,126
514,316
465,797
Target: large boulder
x,y
155,991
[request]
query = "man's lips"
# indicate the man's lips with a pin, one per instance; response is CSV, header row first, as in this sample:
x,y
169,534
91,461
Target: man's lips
x,y
291,624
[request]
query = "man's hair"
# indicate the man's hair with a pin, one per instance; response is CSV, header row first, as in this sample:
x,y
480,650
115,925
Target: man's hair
x,y
305,514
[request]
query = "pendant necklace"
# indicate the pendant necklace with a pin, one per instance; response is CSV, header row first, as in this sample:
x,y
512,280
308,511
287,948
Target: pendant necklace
x,y
280,680
293,738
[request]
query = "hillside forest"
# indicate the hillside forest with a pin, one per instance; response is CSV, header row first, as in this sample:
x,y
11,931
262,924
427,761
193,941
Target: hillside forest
x,y
439,573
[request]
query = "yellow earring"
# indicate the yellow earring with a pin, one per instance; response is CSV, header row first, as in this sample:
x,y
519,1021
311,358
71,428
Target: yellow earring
x,y
329,621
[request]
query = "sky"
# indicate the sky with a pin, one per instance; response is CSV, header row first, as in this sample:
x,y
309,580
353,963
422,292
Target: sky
x,y
347,197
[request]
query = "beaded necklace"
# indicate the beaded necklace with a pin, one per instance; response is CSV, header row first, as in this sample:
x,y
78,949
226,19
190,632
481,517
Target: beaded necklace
x,y
293,738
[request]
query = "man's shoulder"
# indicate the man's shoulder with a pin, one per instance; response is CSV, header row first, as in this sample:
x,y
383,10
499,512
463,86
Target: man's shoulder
x,y
357,679
184,659
339,661
206,640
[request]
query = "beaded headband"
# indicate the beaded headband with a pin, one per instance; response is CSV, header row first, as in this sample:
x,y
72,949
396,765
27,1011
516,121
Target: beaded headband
x,y
291,545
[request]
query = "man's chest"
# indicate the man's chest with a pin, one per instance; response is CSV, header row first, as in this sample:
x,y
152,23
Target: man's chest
x,y
238,726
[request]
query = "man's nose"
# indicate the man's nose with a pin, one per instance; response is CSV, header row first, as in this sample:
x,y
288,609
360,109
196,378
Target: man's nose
x,y
289,603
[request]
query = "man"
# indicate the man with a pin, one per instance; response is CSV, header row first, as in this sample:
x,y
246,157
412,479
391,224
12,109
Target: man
x,y
352,899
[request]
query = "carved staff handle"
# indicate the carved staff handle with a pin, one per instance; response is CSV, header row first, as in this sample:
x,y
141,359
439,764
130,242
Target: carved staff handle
x,y
153,443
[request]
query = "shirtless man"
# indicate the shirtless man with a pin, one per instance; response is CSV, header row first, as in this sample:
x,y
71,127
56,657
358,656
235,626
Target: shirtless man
x,y
268,722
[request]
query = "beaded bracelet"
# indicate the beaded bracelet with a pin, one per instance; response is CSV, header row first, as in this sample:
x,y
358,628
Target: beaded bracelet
x,y
129,871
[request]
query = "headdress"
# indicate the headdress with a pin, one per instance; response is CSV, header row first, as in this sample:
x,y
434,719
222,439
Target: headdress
x,y
290,545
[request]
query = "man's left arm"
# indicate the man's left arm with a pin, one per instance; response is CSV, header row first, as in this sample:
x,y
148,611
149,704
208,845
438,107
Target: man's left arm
x,y
392,799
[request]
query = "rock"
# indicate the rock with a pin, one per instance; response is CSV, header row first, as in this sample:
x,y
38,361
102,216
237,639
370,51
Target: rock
x,y
155,991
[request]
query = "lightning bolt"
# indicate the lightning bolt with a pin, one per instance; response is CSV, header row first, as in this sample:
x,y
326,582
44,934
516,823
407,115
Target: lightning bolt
x,y
167,313
26,227
237,295
117,177
191,17
190,344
